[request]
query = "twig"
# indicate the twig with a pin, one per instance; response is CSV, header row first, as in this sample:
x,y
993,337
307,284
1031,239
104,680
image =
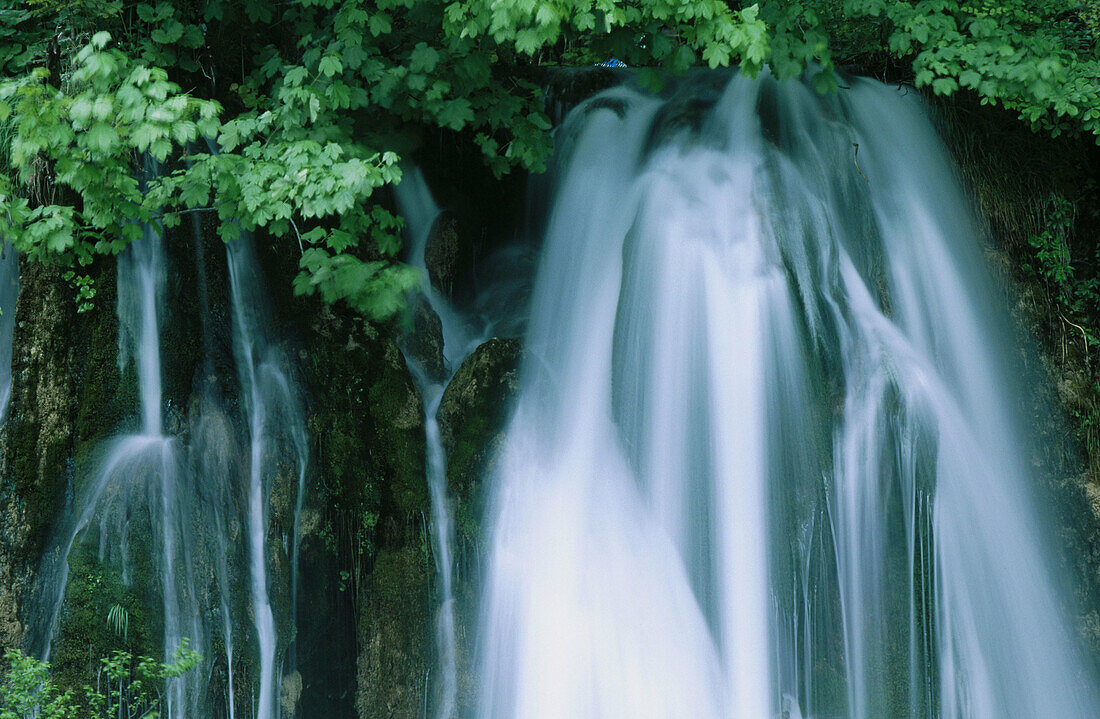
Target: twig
x,y
298,235
855,159
1084,335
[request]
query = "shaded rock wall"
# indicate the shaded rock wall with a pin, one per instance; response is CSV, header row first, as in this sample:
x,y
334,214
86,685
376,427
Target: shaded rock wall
x,y
38,437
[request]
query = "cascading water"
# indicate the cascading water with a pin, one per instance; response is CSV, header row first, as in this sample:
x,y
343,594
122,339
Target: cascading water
x,y
150,498
765,459
138,473
417,206
275,420
9,292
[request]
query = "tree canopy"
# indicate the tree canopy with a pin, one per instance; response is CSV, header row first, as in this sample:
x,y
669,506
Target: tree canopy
x,y
289,117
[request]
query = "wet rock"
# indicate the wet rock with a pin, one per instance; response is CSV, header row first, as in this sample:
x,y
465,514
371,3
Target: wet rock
x,y
444,252
363,593
38,435
289,693
567,87
424,343
472,415
394,641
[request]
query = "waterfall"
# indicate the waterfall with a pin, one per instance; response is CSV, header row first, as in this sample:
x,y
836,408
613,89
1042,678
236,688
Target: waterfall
x,y
274,416
150,496
138,474
420,211
767,457
9,292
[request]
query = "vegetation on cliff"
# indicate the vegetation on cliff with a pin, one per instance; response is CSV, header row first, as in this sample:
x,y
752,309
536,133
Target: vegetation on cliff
x,y
311,104
125,687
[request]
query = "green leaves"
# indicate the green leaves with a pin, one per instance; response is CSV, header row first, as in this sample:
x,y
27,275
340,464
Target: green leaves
x,y
423,58
376,289
330,66
87,136
132,686
327,91
1031,56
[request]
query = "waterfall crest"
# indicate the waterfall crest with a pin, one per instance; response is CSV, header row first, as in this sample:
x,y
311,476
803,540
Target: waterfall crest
x,y
766,458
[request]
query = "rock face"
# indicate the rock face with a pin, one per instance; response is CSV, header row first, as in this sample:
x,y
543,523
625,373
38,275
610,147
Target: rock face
x,y
364,607
445,253
362,641
424,341
394,596
395,646
38,436
289,693
471,416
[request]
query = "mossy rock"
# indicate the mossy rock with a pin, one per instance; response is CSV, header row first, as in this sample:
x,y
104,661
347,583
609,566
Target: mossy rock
x,y
395,646
472,415
397,411
37,437
447,254
84,634
423,342
39,428
367,419
362,552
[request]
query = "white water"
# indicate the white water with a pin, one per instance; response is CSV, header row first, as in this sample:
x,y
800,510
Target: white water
x,y
417,206
767,455
272,404
138,473
194,498
9,292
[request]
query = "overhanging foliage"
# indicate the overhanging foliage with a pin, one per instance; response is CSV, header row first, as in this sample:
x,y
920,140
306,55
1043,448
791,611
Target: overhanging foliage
x,y
320,98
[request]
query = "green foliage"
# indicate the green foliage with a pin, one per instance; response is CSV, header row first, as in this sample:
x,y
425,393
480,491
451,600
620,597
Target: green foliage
x,y
27,692
1036,57
91,626
1066,268
1076,295
129,687
326,96
125,688
71,152
118,621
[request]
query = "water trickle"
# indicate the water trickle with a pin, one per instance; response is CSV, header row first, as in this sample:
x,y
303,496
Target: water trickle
x,y
138,474
9,292
417,206
194,499
275,420
766,457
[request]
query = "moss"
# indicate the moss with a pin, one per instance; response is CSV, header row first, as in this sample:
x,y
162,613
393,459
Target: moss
x,y
397,411
39,429
107,395
472,416
366,420
394,636
367,493
84,634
